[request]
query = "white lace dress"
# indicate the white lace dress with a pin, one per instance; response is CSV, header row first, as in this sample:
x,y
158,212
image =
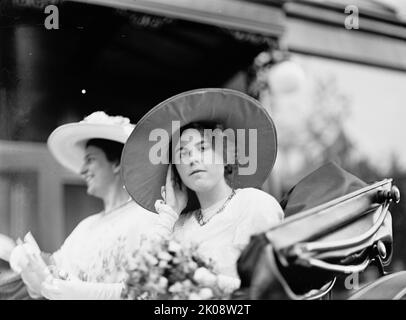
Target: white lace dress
x,y
99,247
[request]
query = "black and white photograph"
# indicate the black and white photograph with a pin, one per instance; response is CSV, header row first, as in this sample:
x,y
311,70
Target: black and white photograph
x,y
220,151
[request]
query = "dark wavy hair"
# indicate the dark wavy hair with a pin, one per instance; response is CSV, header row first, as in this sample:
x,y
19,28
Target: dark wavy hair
x,y
112,149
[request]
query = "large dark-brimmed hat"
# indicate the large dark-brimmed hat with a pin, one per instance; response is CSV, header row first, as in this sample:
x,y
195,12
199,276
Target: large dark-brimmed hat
x,y
233,109
67,142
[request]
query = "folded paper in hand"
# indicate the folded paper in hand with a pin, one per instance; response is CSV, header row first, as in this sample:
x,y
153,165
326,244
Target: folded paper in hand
x,y
26,252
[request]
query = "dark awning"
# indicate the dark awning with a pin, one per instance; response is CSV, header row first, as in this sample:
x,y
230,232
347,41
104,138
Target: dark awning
x,y
239,15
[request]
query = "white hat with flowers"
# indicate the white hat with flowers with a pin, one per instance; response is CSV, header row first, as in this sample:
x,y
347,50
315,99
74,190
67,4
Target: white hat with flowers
x,y
67,142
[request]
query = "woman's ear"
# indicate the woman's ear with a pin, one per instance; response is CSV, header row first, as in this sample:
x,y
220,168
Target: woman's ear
x,y
116,168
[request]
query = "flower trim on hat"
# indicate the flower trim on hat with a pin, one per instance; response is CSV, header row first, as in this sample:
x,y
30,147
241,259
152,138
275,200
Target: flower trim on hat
x,y
100,117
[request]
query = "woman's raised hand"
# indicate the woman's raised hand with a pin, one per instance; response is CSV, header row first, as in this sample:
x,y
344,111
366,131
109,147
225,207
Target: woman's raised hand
x,y
173,194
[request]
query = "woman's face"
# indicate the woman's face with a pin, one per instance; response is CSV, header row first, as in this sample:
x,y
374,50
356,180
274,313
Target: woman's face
x,y
98,171
199,166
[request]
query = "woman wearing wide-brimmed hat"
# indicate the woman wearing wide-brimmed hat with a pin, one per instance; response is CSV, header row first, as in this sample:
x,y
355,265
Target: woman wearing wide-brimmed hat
x,y
205,152
90,263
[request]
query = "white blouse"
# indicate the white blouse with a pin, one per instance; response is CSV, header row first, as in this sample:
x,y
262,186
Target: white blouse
x,y
224,236
98,248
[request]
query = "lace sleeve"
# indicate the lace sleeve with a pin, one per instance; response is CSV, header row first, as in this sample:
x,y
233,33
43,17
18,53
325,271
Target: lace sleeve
x,y
166,219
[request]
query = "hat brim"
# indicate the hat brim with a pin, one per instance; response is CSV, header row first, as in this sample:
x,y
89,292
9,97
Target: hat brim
x,y
143,179
67,142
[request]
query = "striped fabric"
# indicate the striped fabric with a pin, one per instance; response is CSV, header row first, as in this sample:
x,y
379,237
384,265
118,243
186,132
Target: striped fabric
x,y
11,285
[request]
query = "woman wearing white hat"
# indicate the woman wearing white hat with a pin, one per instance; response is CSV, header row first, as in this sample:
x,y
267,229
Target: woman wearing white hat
x,y
209,196
90,264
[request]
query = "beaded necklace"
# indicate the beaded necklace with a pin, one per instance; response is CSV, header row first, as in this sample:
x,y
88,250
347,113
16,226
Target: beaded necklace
x,y
199,214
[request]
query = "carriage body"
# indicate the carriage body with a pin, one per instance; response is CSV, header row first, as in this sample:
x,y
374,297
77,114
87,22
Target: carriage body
x,y
337,226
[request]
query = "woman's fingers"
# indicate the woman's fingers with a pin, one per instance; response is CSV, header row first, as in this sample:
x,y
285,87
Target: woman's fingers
x,y
35,259
173,193
163,192
18,260
50,290
169,176
39,267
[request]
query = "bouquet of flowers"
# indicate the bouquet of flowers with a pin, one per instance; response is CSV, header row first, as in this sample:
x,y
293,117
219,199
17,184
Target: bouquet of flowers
x,y
163,269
